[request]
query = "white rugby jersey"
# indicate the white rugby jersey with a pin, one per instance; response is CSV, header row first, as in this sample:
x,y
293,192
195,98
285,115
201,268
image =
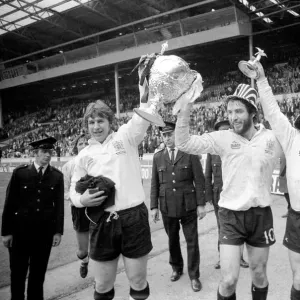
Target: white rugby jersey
x,y
116,158
289,138
247,166
67,170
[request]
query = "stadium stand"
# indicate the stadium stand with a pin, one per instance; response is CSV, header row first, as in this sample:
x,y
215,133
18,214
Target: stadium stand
x,y
63,120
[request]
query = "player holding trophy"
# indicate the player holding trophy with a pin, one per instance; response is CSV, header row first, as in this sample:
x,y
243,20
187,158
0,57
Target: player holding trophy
x,y
289,138
249,154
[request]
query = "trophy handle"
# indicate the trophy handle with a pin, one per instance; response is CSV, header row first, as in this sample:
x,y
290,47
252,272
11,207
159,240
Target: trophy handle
x,y
155,118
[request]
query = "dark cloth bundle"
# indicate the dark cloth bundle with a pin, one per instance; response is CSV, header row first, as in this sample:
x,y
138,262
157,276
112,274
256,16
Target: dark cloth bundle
x,y
99,183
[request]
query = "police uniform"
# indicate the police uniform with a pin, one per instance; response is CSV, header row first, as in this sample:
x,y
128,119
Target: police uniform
x,y
33,213
177,189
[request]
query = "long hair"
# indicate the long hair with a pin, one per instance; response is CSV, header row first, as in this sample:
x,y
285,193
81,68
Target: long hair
x,y
97,109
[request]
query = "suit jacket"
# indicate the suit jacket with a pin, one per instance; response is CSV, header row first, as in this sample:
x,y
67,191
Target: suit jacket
x,y
140,148
213,178
179,188
28,198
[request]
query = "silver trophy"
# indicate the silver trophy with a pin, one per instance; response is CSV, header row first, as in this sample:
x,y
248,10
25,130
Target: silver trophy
x,y
249,67
172,84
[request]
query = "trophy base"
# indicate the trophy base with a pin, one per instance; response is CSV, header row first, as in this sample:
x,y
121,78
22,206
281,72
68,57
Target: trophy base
x,y
155,119
248,69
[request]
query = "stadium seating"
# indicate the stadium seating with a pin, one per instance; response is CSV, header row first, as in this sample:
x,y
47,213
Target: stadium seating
x,y
63,119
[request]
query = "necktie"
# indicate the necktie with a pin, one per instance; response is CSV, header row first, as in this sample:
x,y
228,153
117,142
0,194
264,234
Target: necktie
x,y
40,173
172,155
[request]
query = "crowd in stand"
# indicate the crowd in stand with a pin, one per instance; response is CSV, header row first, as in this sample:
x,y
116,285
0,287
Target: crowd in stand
x,y
63,120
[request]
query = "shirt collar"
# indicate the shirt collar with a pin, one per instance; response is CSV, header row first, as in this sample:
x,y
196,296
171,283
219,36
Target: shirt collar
x,y
108,138
169,149
259,128
38,166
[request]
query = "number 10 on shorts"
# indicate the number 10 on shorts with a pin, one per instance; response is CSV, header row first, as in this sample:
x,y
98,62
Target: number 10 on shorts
x,y
269,235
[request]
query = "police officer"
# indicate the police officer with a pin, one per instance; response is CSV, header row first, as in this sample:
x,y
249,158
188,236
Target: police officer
x,y
33,219
214,184
177,189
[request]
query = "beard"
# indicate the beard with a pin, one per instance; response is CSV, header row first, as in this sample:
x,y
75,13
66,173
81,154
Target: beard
x,y
243,127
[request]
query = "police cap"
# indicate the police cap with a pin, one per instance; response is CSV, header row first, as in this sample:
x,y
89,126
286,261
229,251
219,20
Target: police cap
x,y
220,123
170,126
46,143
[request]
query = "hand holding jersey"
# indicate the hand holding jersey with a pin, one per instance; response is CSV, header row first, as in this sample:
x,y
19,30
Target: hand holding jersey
x,y
87,199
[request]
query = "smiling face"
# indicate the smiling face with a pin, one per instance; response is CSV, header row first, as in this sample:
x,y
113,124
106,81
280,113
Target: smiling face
x,y
99,128
240,119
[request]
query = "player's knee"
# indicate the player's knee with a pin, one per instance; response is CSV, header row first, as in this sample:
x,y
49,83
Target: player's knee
x,y
109,295
140,294
296,280
103,286
229,282
81,254
138,280
259,273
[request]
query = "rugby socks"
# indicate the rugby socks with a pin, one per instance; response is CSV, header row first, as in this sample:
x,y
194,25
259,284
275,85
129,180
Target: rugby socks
x,y
104,296
259,293
232,297
295,294
139,295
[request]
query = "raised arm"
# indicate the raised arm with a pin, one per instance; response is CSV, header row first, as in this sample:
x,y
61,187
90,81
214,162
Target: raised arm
x,y
135,129
194,144
280,125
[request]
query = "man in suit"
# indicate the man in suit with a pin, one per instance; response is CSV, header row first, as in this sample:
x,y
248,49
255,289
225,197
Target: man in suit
x,y
214,185
177,190
32,220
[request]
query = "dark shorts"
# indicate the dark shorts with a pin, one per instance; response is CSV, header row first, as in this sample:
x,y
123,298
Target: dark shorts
x,y
253,226
127,234
80,222
292,231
